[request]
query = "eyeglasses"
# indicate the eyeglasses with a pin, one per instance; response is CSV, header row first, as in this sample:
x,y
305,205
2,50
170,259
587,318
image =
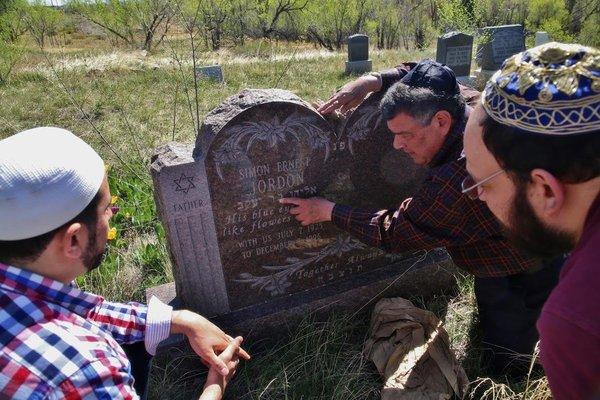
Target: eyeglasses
x,y
470,187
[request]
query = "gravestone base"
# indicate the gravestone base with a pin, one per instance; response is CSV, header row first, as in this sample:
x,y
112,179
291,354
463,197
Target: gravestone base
x,y
467,80
424,281
481,77
358,67
424,276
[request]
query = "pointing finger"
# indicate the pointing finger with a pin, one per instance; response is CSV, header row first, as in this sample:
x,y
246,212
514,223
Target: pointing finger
x,y
290,200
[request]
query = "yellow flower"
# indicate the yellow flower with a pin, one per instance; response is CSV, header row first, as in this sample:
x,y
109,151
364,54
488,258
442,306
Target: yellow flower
x,y
112,234
127,215
114,199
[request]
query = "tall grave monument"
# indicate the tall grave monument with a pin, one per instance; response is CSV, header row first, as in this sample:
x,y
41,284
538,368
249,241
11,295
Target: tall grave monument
x,y
455,49
496,44
238,255
358,55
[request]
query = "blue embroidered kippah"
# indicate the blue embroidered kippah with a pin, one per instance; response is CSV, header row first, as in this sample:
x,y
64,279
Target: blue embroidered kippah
x,y
552,89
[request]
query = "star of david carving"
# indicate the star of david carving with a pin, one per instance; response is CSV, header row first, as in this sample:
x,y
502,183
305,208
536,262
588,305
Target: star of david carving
x,y
184,183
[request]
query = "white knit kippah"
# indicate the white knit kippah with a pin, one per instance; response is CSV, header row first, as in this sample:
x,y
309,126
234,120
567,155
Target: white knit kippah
x,y
47,177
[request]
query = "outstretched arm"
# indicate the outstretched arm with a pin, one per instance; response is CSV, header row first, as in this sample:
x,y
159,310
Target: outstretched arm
x,y
353,93
205,338
133,322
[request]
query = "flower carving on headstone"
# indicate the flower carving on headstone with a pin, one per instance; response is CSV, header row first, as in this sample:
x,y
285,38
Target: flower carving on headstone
x,y
273,133
278,282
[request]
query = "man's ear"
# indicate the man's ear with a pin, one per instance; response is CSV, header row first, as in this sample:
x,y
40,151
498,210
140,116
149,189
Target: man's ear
x,y
443,120
548,193
73,240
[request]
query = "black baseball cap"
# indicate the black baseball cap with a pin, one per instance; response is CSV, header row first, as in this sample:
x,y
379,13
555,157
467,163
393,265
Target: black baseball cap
x,y
433,75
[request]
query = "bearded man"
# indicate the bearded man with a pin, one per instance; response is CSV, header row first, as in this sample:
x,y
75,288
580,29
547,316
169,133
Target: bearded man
x,y
533,156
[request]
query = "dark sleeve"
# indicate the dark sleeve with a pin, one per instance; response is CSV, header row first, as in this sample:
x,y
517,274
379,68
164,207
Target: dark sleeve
x,y
570,356
393,75
438,215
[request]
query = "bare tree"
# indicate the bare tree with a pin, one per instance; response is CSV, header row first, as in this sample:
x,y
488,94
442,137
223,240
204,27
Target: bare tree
x,y
42,22
272,13
136,22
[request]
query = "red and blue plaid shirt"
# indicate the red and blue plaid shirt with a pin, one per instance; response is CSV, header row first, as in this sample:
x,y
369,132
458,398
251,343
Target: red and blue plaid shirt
x,y
59,342
439,215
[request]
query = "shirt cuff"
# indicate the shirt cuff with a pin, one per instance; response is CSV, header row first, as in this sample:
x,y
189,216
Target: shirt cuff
x,y
340,216
158,324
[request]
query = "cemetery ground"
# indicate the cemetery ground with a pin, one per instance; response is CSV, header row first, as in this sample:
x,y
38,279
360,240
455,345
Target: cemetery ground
x,y
127,103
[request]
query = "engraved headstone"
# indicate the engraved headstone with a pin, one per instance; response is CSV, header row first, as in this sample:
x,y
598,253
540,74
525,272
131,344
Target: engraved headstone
x,y
212,72
454,49
541,38
358,55
238,254
497,44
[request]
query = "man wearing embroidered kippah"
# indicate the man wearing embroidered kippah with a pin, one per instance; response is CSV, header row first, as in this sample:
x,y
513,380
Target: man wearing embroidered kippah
x,y
533,155
425,109
57,341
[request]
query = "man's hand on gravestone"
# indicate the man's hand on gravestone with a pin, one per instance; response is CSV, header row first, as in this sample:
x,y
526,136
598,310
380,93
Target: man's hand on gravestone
x,y
215,382
205,338
309,211
351,95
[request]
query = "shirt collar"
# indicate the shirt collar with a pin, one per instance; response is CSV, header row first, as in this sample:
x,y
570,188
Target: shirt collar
x,y
451,147
35,286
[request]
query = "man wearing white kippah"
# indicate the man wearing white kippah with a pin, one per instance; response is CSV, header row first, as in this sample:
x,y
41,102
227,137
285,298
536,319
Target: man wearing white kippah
x,y
56,340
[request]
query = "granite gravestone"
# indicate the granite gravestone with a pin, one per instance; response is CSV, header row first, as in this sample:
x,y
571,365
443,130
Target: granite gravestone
x,y
358,55
212,72
454,49
498,43
238,254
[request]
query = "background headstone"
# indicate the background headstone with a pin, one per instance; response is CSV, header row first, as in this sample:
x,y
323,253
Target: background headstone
x,y
541,38
212,72
358,55
455,49
358,48
238,254
497,43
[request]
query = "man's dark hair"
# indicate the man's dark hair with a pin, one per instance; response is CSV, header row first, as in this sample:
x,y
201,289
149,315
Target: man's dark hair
x,y
30,249
573,158
421,103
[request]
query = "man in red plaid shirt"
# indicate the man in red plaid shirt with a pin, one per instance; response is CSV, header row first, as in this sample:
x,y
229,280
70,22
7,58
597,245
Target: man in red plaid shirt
x,y
57,341
425,109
